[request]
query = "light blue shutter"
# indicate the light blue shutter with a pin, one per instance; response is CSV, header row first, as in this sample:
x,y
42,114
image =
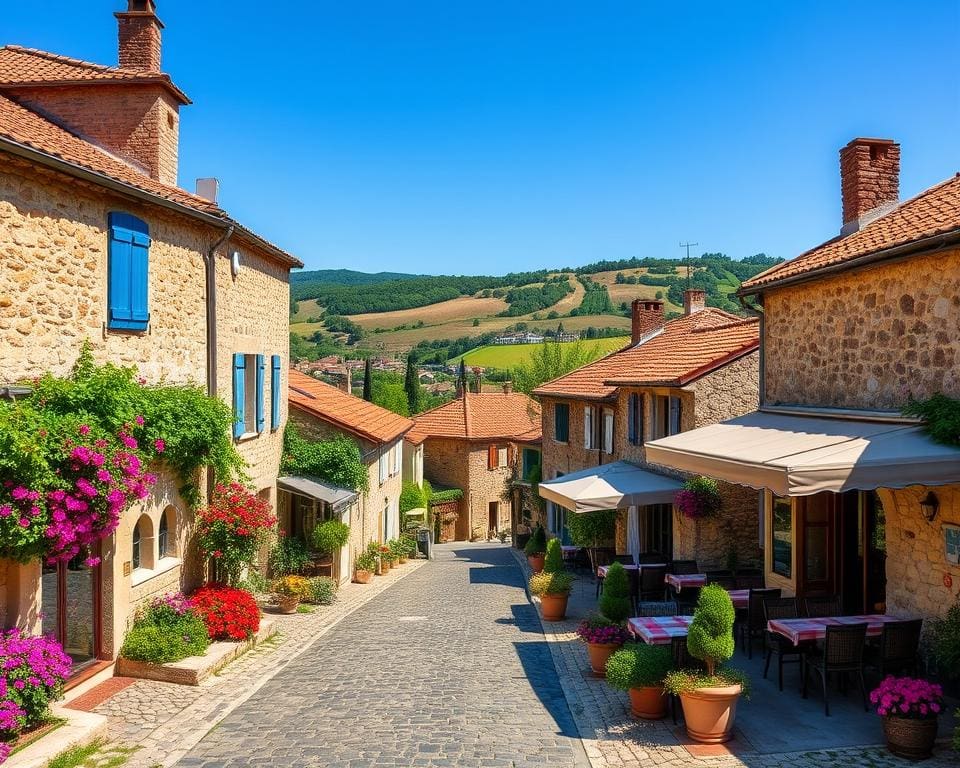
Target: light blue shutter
x,y
275,392
259,404
128,273
239,374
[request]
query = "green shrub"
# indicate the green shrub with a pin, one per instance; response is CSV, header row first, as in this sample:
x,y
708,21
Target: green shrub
x,y
945,642
322,590
537,544
160,635
330,535
710,636
588,529
411,497
554,560
366,561
551,583
289,555
688,680
615,598
639,666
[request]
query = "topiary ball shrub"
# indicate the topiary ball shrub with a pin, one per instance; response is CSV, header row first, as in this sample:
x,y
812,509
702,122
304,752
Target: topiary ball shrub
x,y
553,563
537,544
639,666
710,636
615,598
330,535
229,613
323,590
551,583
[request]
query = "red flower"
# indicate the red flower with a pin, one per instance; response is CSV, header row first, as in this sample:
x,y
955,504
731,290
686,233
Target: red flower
x,y
228,612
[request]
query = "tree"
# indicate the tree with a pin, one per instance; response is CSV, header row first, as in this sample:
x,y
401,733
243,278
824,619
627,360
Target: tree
x,y
552,360
389,393
368,381
476,322
462,377
615,598
411,385
559,328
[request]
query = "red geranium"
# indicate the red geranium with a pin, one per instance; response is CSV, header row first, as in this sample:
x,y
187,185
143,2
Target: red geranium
x,y
228,612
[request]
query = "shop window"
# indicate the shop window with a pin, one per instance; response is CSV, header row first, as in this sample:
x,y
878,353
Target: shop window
x,y
781,536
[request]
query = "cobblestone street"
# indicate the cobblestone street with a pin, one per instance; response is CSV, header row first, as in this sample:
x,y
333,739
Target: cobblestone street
x,y
449,667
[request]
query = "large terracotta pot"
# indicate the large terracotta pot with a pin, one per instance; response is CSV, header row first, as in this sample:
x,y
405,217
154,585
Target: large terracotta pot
x,y
648,703
599,653
287,603
909,737
362,577
709,712
536,562
554,606
384,566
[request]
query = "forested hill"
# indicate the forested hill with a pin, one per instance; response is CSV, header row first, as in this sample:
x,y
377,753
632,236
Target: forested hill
x,y
347,277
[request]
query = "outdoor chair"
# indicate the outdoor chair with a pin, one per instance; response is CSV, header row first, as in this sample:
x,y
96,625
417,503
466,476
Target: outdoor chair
x,y
727,582
681,567
600,556
652,582
821,606
687,599
657,608
754,625
842,654
623,559
750,582
780,608
654,558
897,650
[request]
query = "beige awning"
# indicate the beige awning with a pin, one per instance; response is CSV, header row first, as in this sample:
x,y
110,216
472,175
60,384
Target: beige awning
x,y
616,485
796,455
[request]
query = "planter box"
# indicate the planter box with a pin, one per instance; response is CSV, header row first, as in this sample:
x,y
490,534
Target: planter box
x,y
195,669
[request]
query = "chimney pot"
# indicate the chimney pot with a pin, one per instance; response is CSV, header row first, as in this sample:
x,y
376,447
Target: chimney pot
x,y
869,181
139,36
694,300
208,189
647,316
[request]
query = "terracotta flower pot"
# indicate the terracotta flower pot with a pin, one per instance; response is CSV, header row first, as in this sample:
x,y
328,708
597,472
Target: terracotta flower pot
x,y
910,737
709,712
648,703
384,567
536,562
599,653
287,603
362,577
554,606
402,560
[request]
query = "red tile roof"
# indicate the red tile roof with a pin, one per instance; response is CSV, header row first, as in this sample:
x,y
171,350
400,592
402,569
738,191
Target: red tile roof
x,y
487,416
349,412
933,212
686,349
27,67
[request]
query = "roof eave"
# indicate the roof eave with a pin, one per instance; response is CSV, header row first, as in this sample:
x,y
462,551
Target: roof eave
x,y
162,81
576,396
693,374
362,434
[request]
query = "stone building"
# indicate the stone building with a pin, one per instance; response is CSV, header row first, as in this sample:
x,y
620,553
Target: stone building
x,y
320,411
100,245
469,443
673,377
858,501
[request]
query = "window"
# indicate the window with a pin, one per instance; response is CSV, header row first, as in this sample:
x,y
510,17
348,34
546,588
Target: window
x,y
395,460
503,456
163,536
137,543
635,419
384,465
607,431
142,544
128,255
248,410
666,416
499,456
656,529
781,536
531,459
561,422
589,427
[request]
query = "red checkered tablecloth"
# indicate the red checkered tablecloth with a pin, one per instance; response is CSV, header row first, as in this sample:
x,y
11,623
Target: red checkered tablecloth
x,y
659,630
800,630
739,597
682,581
602,569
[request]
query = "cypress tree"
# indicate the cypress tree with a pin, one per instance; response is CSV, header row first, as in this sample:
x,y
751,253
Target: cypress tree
x,y
411,385
368,382
554,560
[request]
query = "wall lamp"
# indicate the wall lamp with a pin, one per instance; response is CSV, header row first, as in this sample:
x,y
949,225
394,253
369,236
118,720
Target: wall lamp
x,y
929,506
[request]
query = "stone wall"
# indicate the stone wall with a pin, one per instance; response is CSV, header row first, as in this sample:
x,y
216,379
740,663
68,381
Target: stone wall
x,y
728,392
447,463
488,486
735,532
866,338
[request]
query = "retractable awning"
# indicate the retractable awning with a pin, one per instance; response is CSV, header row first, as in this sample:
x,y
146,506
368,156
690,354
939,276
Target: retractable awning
x,y
796,455
317,489
617,485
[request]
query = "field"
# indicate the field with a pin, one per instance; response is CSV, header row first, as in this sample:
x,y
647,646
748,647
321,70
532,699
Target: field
x,y
511,355
627,293
464,308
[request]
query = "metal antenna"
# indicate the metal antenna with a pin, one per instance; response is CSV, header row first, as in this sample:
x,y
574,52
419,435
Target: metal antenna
x,y
688,246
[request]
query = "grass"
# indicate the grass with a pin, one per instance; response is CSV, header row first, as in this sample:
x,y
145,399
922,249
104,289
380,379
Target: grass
x,y
305,608
93,755
507,356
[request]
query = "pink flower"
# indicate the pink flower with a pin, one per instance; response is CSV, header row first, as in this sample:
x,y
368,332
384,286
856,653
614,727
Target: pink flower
x,y
139,421
84,430
90,562
159,446
130,442
24,523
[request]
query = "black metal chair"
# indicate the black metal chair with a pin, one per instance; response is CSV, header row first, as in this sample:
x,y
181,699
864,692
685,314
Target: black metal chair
x,y
897,650
780,608
754,625
657,608
653,558
842,654
750,582
652,582
684,567
727,582
821,606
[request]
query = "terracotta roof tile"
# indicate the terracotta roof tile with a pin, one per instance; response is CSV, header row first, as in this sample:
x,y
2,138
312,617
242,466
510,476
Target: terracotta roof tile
x,y
687,348
486,416
933,212
354,414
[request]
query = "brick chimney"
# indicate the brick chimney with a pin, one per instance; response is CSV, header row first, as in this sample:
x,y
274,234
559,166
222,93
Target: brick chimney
x,y
647,317
508,387
139,35
869,181
694,300
345,381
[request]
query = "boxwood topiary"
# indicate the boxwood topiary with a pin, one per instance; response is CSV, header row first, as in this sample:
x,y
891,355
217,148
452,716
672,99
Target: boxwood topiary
x,y
330,535
551,583
710,636
615,599
639,666
554,560
537,544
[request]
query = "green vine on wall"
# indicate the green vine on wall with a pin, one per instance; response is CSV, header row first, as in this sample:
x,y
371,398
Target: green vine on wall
x,y
335,461
941,417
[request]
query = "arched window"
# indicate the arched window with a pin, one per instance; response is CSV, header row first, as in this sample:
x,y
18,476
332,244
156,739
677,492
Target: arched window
x,y
143,554
163,536
137,541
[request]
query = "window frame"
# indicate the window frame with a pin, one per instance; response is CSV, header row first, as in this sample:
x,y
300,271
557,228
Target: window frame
x,y
635,415
609,422
563,408
589,427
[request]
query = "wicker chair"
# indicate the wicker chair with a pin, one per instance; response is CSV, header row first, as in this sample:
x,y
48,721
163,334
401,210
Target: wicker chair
x,y
821,606
657,608
897,650
754,625
843,654
652,582
780,608
684,567
727,582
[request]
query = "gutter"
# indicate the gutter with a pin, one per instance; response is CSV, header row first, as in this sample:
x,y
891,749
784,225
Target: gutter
x,y
846,414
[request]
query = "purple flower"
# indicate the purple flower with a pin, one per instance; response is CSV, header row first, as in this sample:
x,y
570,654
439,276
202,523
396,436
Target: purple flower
x,y
139,421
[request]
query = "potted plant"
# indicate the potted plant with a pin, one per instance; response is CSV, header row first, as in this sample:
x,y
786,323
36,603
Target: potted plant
x,y
398,550
536,548
602,637
699,498
910,708
387,559
709,699
289,591
615,598
364,568
327,538
639,669
553,584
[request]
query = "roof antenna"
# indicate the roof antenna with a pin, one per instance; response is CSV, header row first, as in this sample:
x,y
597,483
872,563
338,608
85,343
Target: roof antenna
x,y
688,246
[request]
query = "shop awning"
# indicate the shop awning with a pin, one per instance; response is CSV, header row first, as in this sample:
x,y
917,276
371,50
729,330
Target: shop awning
x,y
316,489
617,485
796,455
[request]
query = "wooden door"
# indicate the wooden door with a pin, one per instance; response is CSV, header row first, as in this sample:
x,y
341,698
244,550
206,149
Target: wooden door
x,y
817,553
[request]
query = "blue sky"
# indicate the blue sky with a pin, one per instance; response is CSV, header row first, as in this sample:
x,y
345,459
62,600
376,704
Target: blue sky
x,y
486,137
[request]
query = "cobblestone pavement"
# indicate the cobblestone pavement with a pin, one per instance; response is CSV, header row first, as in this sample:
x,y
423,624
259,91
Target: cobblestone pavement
x,y
448,668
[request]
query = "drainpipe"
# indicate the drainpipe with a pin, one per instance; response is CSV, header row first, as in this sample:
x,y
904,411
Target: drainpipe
x,y
757,311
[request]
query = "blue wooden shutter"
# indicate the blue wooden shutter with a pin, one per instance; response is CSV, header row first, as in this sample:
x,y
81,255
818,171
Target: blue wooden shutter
x,y
260,373
128,256
275,392
239,376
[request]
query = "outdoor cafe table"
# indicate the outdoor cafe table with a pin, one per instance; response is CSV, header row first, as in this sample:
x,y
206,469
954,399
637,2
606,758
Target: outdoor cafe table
x,y
800,630
602,569
659,630
685,580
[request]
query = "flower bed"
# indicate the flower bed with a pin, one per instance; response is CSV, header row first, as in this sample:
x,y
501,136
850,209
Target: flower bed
x,y
169,629
229,613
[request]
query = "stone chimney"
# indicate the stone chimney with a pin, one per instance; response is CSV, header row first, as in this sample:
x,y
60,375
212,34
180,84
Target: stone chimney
x,y
139,36
869,181
694,300
508,387
345,381
647,317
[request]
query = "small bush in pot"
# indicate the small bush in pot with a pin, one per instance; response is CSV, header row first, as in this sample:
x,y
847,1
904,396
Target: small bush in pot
x,y
602,637
910,708
322,590
536,548
329,536
290,590
553,589
553,561
364,567
615,598
639,669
